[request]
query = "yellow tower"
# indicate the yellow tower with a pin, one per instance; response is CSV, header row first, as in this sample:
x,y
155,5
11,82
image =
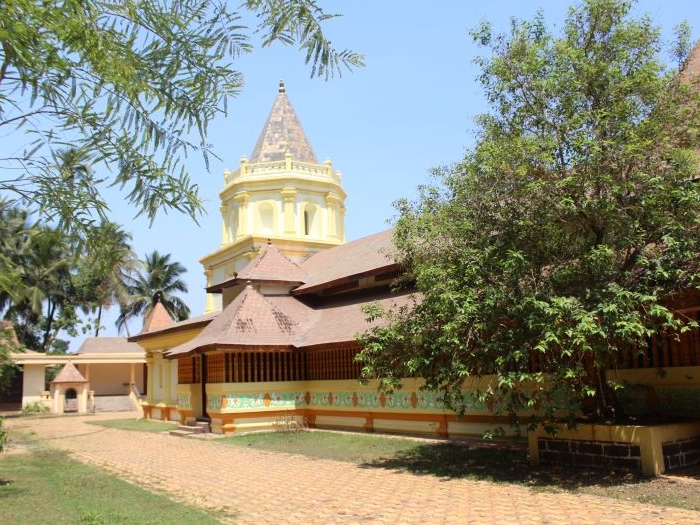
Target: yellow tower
x,y
281,194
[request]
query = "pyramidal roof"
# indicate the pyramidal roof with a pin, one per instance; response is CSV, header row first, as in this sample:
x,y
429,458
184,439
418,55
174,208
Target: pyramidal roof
x,y
157,319
282,134
69,374
250,320
272,266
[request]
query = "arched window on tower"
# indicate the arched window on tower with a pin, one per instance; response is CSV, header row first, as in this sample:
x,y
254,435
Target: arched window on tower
x,y
311,226
266,216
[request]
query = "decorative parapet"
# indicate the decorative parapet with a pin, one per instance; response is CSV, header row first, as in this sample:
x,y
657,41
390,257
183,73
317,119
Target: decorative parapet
x,y
255,170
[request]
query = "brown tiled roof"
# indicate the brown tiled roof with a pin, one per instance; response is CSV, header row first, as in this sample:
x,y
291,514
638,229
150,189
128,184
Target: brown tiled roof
x,y
358,257
341,322
271,266
108,345
157,319
692,63
187,323
69,374
282,134
252,319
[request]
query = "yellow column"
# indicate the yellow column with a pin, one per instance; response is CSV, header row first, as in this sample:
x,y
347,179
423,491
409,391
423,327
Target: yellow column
x,y
167,371
210,305
242,200
332,203
341,223
149,377
289,197
225,236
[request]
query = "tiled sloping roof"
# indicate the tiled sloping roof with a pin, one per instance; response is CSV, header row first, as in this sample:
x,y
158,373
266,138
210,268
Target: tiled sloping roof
x,y
252,319
69,374
353,258
271,265
192,321
692,64
341,322
109,345
157,319
282,134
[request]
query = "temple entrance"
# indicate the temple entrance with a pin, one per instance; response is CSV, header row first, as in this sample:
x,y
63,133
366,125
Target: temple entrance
x,y
71,400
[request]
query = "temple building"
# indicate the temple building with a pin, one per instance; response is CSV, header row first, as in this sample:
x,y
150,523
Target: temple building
x,y
284,305
277,342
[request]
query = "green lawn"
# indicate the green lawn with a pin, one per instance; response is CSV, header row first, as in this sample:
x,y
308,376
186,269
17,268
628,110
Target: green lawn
x,y
46,486
141,425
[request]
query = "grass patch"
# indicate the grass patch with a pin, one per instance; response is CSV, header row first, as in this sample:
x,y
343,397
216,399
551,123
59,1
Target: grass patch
x,y
139,425
47,486
494,461
347,447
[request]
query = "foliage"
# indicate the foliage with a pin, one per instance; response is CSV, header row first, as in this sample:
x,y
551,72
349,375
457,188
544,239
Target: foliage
x,y
565,234
8,344
157,284
51,275
131,86
3,435
34,407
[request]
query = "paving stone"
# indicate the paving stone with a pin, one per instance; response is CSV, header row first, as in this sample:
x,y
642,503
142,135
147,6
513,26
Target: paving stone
x,y
257,487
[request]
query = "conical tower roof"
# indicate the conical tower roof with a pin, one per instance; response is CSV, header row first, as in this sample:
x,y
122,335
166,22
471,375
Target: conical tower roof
x,y
282,134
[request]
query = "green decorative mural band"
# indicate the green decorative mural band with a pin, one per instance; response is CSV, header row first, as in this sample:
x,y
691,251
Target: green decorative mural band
x,y
263,400
408,400
183,401
214,402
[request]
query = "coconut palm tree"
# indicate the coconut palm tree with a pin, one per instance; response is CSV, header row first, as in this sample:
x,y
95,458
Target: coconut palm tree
x,y
109,259
157,283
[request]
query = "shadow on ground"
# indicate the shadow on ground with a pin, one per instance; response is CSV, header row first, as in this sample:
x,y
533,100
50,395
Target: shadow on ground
x,y
504,462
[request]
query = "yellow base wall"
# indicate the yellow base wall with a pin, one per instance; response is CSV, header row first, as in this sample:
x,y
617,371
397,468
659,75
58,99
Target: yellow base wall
x,y
247,407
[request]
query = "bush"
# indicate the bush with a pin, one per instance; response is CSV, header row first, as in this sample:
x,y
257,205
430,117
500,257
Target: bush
x,y
35,407
3,436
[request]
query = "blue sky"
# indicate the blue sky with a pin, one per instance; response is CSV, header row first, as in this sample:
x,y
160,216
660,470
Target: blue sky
x,y
384,126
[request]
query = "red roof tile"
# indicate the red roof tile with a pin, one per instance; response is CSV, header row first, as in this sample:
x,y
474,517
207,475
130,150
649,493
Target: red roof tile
x,y
157,319
271,266
109,345
69,374
252,319
282,134
354,258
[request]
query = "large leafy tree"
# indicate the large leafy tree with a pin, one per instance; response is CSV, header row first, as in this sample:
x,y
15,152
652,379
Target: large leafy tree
x,y
157,283
132,85
565,234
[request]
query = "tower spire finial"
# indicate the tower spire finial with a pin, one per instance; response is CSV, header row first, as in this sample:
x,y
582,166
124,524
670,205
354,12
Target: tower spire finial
x,y
281,86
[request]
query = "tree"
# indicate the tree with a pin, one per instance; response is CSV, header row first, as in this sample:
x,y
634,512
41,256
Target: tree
x,y
100,274
564,235
8,369
131,85
158,284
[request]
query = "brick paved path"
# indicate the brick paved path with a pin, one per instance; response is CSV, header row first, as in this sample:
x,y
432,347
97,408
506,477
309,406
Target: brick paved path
x,y
255,487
